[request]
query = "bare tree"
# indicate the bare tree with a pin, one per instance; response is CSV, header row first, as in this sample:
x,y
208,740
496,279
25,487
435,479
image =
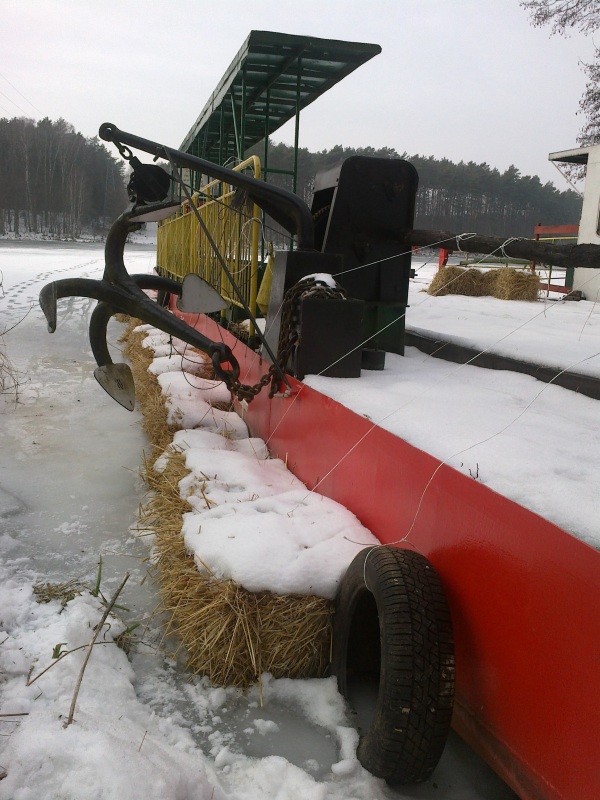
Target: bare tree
x,y
54,180
582,15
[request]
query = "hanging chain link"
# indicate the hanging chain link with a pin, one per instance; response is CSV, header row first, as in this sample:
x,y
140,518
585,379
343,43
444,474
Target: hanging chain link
x,y
289,335
124,151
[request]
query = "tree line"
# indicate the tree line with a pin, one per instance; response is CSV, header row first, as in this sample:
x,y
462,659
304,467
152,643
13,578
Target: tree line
x,y
455,197
54,181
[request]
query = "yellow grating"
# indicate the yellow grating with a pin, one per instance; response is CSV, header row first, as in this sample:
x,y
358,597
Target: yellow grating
x,y
233,222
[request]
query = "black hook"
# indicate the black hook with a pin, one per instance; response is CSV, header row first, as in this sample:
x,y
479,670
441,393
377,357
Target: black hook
x,y
119,292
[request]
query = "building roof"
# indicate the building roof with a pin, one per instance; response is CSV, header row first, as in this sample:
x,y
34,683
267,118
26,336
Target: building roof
x,y
577,155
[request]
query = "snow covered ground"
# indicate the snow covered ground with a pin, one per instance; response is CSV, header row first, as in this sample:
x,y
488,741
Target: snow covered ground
x,y
565,335
143,729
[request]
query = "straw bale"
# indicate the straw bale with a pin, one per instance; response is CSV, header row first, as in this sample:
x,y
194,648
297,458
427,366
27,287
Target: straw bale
x,y
456,280
443,280
471,283
488,283
225,632
512,284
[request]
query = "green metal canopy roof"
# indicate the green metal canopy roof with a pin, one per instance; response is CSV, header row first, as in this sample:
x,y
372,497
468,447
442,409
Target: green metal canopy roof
x,y
270,80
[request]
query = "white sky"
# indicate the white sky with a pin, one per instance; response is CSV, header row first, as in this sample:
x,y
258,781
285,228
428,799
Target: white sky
x,y
462,79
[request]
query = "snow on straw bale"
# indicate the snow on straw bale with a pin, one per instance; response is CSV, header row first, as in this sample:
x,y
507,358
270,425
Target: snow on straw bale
x,y
256,523
249,560
252,520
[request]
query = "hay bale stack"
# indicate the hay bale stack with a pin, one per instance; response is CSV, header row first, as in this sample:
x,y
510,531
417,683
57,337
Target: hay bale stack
x,y
226,632
505,283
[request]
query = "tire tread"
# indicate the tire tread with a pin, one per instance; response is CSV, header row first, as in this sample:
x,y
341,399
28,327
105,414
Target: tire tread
x,y
417,661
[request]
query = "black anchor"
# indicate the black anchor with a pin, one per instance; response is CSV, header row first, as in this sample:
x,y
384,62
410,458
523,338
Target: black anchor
x,y
119,292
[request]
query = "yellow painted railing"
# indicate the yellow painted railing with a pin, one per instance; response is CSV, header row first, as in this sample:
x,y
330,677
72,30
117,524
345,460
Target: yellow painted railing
x,y
234,224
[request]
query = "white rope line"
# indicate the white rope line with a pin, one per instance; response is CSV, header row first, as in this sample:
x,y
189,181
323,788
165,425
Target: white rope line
x,y
507,242
404,539
456,238
446,461
459,238
403,316
337,274
417,269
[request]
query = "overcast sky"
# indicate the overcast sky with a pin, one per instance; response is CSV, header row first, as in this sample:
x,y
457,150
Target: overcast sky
x,y
464,79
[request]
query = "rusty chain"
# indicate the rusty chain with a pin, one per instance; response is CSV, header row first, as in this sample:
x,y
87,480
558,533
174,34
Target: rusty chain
x,y
288,338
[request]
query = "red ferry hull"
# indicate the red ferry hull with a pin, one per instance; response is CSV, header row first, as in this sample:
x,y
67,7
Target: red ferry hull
x,y
524,594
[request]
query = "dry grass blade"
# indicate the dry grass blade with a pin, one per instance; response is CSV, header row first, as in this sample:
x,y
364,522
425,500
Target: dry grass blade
x,y
46,592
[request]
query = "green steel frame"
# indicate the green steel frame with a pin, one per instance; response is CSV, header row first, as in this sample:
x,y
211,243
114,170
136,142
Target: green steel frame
x,y
271,79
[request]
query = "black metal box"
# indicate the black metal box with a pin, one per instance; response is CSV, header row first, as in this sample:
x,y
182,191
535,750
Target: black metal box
x,y
330,338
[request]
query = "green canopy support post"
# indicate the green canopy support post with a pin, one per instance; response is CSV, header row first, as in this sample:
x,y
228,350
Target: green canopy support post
x,y
271,79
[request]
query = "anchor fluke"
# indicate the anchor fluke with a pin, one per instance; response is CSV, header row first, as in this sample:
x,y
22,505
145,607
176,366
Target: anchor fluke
x,y
117,381
199,297
48,304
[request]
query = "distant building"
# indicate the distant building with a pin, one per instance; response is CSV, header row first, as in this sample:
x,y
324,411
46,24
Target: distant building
x,y
586,280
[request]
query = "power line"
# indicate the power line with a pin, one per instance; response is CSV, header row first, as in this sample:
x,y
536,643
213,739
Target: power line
x,y
22,95
27,114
